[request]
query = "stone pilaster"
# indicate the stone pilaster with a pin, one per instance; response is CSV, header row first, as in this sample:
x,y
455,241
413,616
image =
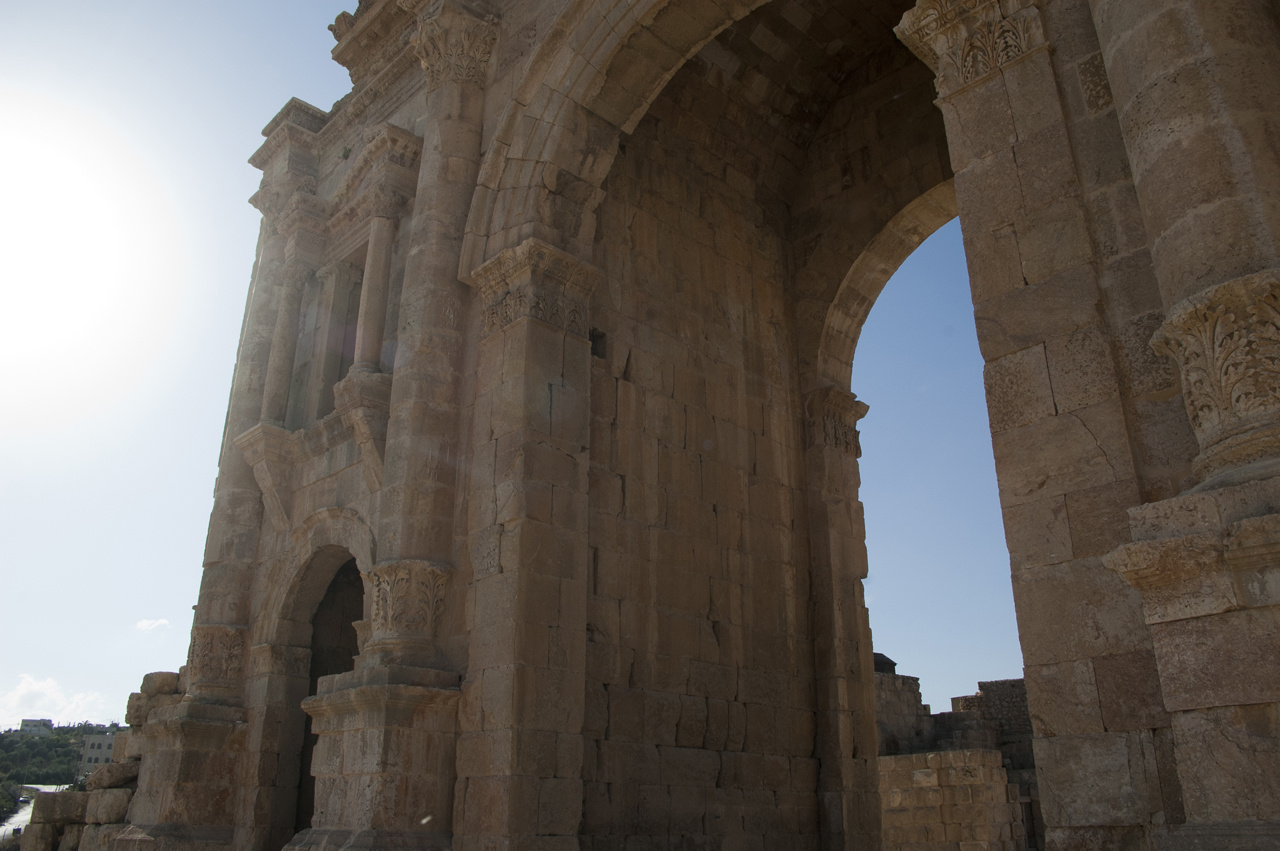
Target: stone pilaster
x,y
1208,568
453,44
1012,132
848,791
529,554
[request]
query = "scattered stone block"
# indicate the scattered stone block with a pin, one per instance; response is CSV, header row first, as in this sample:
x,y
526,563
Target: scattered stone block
x,y
113,775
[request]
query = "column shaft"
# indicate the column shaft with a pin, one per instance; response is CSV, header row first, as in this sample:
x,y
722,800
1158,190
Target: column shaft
x,y
373,295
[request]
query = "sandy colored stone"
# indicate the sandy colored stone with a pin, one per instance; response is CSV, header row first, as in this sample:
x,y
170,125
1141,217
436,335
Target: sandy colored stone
x,y
113,775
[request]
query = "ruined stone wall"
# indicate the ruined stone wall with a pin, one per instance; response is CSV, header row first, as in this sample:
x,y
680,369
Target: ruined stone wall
x,y
699,718
952,801
903,722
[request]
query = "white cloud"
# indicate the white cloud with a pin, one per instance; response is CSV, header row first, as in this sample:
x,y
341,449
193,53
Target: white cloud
x,y
148,625
33,698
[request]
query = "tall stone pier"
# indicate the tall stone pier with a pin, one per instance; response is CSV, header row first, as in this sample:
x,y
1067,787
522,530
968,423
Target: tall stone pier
x,y
537,522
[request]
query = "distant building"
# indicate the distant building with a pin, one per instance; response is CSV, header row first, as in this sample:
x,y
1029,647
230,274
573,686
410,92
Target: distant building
x,y
40,727
99,744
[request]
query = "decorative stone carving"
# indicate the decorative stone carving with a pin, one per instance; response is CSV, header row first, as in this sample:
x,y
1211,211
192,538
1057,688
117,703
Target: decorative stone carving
x,y
217,653
1226,344
965,40
454,45
408,597
363,400
272,452
831,419
535,280
380,181
343,24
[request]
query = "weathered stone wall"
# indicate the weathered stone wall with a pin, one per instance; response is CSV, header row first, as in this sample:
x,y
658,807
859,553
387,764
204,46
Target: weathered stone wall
x,y
949,801
700,716
903,722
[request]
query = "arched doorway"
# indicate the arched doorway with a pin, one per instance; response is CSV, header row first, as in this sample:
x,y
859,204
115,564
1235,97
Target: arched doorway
x,y
334,646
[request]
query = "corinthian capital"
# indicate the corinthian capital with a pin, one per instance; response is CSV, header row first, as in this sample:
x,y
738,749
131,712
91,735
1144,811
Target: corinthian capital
x,y
965,40
831,419
1225,342
453,42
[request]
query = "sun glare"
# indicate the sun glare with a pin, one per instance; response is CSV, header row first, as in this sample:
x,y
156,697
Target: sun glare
x,y
93,265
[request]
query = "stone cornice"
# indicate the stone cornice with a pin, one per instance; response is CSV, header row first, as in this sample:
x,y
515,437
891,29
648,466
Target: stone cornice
x,y
371,39
380,181
284,136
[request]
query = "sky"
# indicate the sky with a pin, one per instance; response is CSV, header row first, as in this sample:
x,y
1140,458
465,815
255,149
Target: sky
x,y
128,243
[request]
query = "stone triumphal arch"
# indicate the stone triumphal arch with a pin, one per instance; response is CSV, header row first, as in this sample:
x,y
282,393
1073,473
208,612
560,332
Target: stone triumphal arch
x,y
542,402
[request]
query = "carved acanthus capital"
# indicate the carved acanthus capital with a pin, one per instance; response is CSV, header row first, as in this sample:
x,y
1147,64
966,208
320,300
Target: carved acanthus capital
x,y
217,655
831,419
965,40
407,604
454,43
1225,342
536,280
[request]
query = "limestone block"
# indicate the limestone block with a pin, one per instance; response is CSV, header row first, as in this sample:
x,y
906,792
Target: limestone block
x,y
108,806
1063,699
39,837
1018,389
113,775
98,837
1229,762
1082,369
1096,613
1219,660
1102,779
160,682
71,837
1129,691
59,807
1038,533
120,751
1058,306
135,714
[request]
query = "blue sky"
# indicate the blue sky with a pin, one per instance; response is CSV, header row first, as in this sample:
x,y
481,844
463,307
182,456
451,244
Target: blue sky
x,y
129,243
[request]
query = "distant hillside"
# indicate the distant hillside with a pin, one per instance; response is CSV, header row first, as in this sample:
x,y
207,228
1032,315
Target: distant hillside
x,y
41,760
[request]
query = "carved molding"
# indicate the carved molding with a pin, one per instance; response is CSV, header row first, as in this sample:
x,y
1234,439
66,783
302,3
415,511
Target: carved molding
x,y
831,419
963,41
454,44
380,181
535,280
217,653
363,400
272,453
407,597
1226,345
